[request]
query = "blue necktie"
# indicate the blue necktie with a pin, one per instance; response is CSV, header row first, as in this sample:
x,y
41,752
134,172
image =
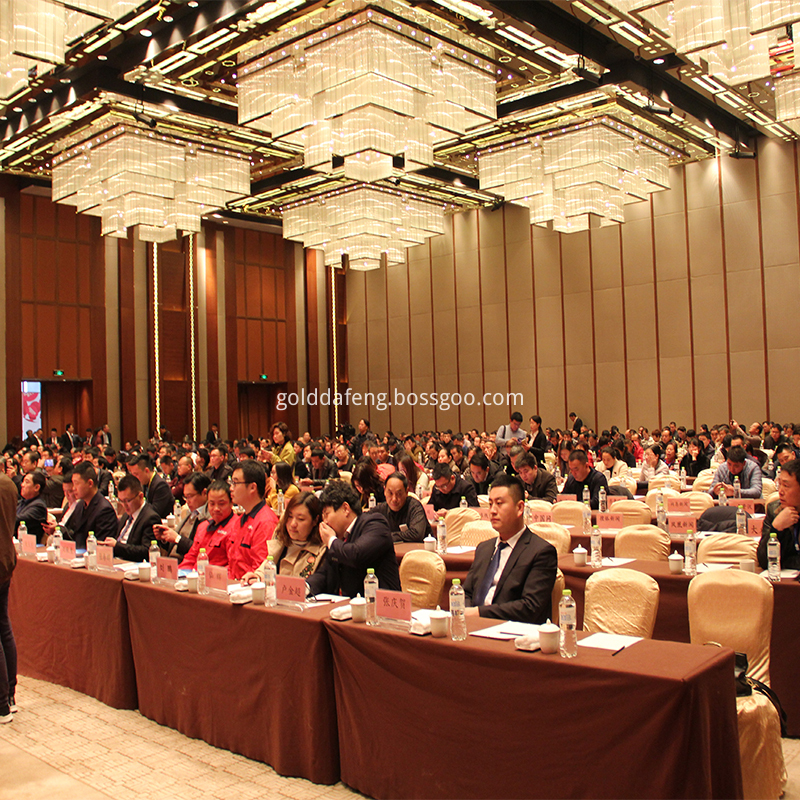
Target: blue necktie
x,y
488,579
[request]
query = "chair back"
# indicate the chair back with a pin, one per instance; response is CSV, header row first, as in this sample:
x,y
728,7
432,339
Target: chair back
x,y
455,520
699,501
626,481
422,575
483,500
555,597
726,548
707,473
549,460
473,533
646,542
702,483
651,499
768,487
661,481
345,475
733,608
621,601
772,498
635,512
568,512
556,534
539,505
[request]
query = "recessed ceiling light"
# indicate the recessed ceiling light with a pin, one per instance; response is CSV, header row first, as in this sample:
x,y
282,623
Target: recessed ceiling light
x,y
168,18
146,32
659,61
101,57
193,4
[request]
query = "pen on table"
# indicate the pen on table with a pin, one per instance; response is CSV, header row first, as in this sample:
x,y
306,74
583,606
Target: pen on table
x,y
619,651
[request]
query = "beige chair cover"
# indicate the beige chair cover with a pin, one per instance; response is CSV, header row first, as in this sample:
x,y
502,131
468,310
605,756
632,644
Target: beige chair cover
x,y
635,512
652,497
554,533
707,473
621,601
659,482
344,475
555,597
483,500
549,460
702,483
568,512
422,575
768,487
455,520
772,498
734,609
539,505
725,548
646,542
699,501
628,481
473,533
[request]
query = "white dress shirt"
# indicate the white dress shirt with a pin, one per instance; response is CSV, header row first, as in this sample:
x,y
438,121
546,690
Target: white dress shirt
x,y
126,531
504,555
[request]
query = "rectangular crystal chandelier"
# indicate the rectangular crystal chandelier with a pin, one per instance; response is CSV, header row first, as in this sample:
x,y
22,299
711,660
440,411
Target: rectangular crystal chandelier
x,y
132,177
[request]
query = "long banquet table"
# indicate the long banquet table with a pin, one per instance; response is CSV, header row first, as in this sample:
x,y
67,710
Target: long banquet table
x,y
424,717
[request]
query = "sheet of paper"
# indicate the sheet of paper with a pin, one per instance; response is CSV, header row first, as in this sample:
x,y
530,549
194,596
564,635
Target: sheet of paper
x,y
459,549
323,597
786,574
712,567
608,561
609,641
127,566
506,630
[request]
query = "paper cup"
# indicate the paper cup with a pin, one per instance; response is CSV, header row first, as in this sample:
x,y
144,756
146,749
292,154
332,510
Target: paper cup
x,y
358,608
430,543
747,565
439,624
259,590
579,554
675,564
191,583
144,573
51,555
549,638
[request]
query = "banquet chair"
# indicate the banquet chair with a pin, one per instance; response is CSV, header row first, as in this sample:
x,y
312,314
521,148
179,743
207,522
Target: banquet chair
x,y
555,597
652,497
627,481
556,534
699,501
702,483
635,512
455,520
422,575
733,608
662,481
768,487
483,500
646,542
621,601
473,533
726,548
549,460
344,475
707,473
771,499
539,505
568,512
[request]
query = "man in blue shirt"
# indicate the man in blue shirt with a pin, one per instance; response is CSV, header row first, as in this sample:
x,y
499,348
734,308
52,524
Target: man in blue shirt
x,y
737,465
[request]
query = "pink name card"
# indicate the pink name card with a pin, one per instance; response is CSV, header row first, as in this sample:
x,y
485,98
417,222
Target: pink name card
x,y
105,556
485,513
290,590
682,524
679,505
610,520
217,578
748,504
754,526
394,605
560,497
167,568
66,552
541,516
29,544
613,498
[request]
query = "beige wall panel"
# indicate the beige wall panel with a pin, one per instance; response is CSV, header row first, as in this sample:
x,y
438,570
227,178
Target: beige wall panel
x,y
702,184
520,268
397,290
492,274
671,200
467,282
472,416
741,236
495,336
640,322
469,339
610,379
518,223
606,258
444,331
375,282
705,241
523,381
359,410
356,294
637,252
744,311
673,318
748,389
419,286
779,229
444,288
465,231
634,211
549,332
676,390
580,392
490,228
420,252
738,180
399,348
421,346
708,315
379,405
578,328
497,414
424,415
446,412
575,262
785,382
608,331
776,167
443,244
782,292
521,333
642,392
356,353
401,414
546,269
711,382
552,405
378,349
670,253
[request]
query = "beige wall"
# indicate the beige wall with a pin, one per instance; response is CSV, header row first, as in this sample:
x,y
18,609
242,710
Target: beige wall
x,y
688,311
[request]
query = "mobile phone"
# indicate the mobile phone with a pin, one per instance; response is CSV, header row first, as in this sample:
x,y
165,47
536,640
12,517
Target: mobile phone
x,y
48,462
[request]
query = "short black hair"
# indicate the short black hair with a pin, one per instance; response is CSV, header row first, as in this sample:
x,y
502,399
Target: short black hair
x,y
253,472
336,493
199,481
130,482
143,462
398,476
792,468
512,482
579,455
220,486
516,417
526,460
479,459
39,479
87,471
442,471
317,453
736,454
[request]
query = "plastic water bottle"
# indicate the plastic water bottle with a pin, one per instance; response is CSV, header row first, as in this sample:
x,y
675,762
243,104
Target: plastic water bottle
x,y
58,538
370,595
153,554
458,620
587,519
462,503
269,580
661,512
737,488
281,502
587,498
597,548
441,537
690,554
22,531
176,509
557,475
603,500
568,620
112,496
723,498
683,479
91,552
741,521
774,558
202,563
372,501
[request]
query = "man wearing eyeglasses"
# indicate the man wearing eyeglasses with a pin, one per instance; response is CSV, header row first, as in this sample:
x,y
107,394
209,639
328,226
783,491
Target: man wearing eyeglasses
x,y
247,540
136,526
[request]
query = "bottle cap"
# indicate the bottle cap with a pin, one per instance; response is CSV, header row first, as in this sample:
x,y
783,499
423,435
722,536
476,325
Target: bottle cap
x,y
202,550
370,571
456,581
567,593
773,535
152,542
270,558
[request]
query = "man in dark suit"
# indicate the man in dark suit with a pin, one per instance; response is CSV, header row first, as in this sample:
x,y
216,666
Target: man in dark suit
x,y
156,489
70,441
512,577
104,437
94,512
135,529
356,541
178,541
450,488
213,437
31,508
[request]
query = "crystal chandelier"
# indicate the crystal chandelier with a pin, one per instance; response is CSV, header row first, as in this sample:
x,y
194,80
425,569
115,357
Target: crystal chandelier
x,y
129,176
569,179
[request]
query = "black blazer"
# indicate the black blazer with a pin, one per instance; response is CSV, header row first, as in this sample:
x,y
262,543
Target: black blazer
x,y
138,545
98,516
159,496
524,590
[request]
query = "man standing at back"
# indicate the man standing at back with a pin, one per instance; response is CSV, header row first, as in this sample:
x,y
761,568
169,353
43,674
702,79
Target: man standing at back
x,y
511,431
248,536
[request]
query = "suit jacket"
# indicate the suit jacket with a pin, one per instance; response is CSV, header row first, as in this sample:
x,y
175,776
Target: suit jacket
x,y
159,495
98,516
69,445
141,534
369,544
187,530
524,590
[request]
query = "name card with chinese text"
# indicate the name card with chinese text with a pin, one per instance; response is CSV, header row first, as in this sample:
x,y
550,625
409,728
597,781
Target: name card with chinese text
x,y
167,568
394,605
610,520
290,590
217,578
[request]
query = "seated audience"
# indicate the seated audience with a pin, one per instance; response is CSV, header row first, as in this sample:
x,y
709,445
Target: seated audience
x,y
31,508
405,515
449,489
737,464
538,482
783,518
212,534
281,480
695,460
135,528
581,475
178,541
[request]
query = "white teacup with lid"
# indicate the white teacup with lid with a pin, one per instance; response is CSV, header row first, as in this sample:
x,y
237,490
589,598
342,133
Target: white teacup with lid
x,y
580,554
675,563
